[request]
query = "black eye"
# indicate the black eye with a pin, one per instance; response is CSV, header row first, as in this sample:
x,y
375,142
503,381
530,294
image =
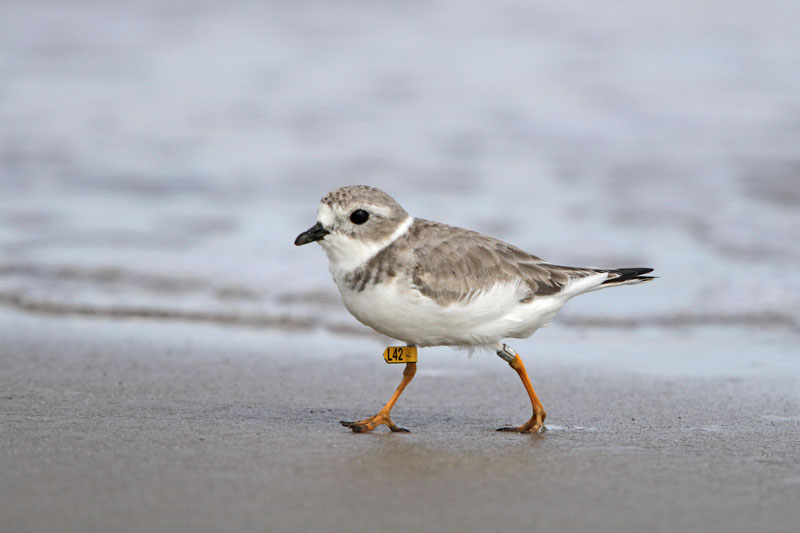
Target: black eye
x,y
359,216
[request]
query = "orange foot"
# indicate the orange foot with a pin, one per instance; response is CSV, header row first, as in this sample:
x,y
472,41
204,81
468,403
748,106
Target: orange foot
x,y
531,426
382,417
368,424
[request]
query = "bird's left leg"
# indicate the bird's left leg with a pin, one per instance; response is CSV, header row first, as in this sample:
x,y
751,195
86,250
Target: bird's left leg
x,y
382,416
536,421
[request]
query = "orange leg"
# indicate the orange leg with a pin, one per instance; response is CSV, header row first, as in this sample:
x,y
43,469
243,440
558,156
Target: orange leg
x,y
536,421
382,416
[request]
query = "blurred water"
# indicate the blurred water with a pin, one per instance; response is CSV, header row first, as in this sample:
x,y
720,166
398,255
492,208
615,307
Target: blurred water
x,y
159,159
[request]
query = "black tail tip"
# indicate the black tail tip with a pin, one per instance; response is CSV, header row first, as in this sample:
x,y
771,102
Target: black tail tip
x,y
626,274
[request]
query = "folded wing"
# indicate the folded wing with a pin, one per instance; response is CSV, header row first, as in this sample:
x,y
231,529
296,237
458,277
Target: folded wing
x,y
455,265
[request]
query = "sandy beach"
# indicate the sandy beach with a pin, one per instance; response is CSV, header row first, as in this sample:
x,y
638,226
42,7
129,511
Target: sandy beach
x,y
144,426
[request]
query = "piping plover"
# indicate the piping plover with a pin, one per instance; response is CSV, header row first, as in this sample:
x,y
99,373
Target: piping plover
x,y
430,284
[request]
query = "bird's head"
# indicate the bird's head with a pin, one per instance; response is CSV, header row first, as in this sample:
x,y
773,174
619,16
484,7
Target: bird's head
x,y
354,223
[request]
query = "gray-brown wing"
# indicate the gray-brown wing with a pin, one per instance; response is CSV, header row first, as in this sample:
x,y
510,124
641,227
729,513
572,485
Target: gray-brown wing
x,y
453,264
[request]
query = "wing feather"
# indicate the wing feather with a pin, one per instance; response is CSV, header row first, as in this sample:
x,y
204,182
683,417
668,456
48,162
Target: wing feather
x,y
453,265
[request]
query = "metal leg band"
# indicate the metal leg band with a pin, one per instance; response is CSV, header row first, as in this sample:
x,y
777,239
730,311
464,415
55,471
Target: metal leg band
x,y
507,353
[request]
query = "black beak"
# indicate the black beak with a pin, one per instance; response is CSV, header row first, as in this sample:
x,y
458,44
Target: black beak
x,y
314,233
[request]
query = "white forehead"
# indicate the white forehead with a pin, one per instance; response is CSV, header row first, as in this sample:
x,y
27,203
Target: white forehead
x,y
325,215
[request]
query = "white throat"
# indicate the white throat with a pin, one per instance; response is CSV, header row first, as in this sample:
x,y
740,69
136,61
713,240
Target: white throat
x,y
346,254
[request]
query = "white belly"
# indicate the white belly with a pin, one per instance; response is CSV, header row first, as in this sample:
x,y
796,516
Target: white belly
x,y
403,313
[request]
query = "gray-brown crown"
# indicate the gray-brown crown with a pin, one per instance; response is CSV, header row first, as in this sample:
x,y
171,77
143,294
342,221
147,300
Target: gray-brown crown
x,y
352,195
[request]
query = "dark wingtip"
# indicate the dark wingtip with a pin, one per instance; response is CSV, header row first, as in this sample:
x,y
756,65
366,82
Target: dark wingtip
x,y
627,274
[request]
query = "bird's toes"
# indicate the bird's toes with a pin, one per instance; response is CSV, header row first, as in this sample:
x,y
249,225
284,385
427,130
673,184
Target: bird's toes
x,y
358,426
528,430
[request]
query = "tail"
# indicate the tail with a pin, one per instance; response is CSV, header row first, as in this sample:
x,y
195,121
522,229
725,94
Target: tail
x,y
627,276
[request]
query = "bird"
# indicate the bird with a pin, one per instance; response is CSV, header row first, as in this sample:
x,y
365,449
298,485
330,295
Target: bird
x,y
426,283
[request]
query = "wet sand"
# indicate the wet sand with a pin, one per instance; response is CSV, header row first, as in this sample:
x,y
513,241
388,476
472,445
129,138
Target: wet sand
x,y
143,426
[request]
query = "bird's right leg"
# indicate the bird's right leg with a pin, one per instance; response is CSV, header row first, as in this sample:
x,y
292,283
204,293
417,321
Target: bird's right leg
x,y
536,421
